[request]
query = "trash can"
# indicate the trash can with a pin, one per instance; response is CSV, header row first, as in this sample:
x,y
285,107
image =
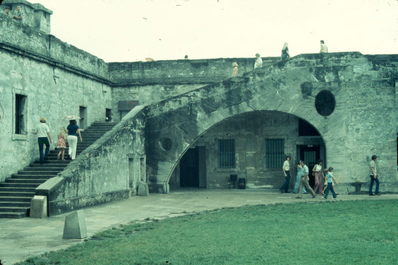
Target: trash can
x,y
241,183
233,178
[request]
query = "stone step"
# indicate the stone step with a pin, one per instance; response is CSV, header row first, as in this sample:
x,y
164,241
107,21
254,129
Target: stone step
x,y
33,176
13,215
103,129
17,194
16,198
26,180
92,134
18,189
14,204
51,163
27,186
43,172
98,124
14,209
44,168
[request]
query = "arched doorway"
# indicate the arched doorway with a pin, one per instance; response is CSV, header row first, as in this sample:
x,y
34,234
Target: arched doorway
x,y
251,146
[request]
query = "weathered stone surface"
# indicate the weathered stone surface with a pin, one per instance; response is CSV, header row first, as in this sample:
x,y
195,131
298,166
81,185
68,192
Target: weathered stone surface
x,y
56,80
348,76
75,226
38,207
102,172
188,103
143,189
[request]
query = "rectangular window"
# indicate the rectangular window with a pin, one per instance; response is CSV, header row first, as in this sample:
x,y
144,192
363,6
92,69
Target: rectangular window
x,y
20,114
274,153
227,153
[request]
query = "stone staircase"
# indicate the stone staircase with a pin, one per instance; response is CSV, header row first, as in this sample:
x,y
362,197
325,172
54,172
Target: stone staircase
x,y
17,191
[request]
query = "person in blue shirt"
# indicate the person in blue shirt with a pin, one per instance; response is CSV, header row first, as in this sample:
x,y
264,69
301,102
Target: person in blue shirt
x,y
299,174
330,179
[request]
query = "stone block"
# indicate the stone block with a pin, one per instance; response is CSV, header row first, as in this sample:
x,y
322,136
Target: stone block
x,y
143,189
38,207
75,226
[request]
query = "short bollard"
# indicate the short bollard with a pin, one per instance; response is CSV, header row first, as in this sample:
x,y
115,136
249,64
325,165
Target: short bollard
x,y
75,226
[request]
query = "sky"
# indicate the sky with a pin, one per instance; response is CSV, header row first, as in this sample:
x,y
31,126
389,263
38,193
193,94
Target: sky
x,y
132,30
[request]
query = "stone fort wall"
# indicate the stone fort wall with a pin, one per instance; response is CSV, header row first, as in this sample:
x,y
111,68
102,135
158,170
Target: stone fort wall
x,y
52,78
55,79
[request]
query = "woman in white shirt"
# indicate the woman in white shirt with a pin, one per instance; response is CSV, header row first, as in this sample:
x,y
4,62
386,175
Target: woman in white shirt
x,y
319,178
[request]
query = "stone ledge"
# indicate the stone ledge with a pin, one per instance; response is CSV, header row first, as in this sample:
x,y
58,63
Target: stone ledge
x,y
70,204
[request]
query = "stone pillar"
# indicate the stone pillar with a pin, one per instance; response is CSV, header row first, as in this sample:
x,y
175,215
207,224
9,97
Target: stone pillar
x,y
38,207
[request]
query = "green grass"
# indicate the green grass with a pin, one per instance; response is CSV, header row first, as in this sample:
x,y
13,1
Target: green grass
x,y
342,232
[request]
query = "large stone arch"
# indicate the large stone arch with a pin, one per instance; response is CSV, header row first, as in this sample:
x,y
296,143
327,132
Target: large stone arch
x,y
173,124
249,132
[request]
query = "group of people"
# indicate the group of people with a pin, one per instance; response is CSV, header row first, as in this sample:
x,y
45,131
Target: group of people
x,y
284,57
324,180
323,185
66,137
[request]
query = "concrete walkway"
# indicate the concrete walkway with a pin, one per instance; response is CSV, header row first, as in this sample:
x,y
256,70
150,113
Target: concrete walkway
x,y
23,238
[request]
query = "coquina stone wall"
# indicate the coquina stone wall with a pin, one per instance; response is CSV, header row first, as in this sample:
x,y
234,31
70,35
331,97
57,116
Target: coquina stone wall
x,y
186,99
250,132
150,82
363,121
55,79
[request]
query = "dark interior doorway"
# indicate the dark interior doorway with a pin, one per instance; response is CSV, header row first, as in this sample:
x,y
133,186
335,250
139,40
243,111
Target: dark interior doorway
x,y
189,169
310,154
83,117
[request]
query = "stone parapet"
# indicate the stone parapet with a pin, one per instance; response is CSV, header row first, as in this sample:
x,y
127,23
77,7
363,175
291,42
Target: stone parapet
x,y
180,71
27,41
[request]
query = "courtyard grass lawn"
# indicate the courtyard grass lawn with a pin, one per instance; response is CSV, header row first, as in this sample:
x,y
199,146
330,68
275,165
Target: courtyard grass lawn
x,y
340,232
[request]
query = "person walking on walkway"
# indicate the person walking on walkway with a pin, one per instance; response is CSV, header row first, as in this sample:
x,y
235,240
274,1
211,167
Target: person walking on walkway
x,y
299,174
330,179
73,131
43,138
319,178
286,172
374,177
304,182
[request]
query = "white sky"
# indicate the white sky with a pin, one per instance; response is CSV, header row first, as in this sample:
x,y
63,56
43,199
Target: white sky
x,y
131,30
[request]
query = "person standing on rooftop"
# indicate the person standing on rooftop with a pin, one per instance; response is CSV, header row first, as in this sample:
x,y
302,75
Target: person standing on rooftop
x,y
259,62
324,47
235,69
285,52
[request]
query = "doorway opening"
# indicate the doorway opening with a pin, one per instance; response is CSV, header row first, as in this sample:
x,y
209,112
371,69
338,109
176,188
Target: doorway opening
x,y
83,117
311,154
193,168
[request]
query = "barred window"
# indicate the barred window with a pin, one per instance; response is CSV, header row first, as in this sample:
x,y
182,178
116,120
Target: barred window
x,y
227,153
274,153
